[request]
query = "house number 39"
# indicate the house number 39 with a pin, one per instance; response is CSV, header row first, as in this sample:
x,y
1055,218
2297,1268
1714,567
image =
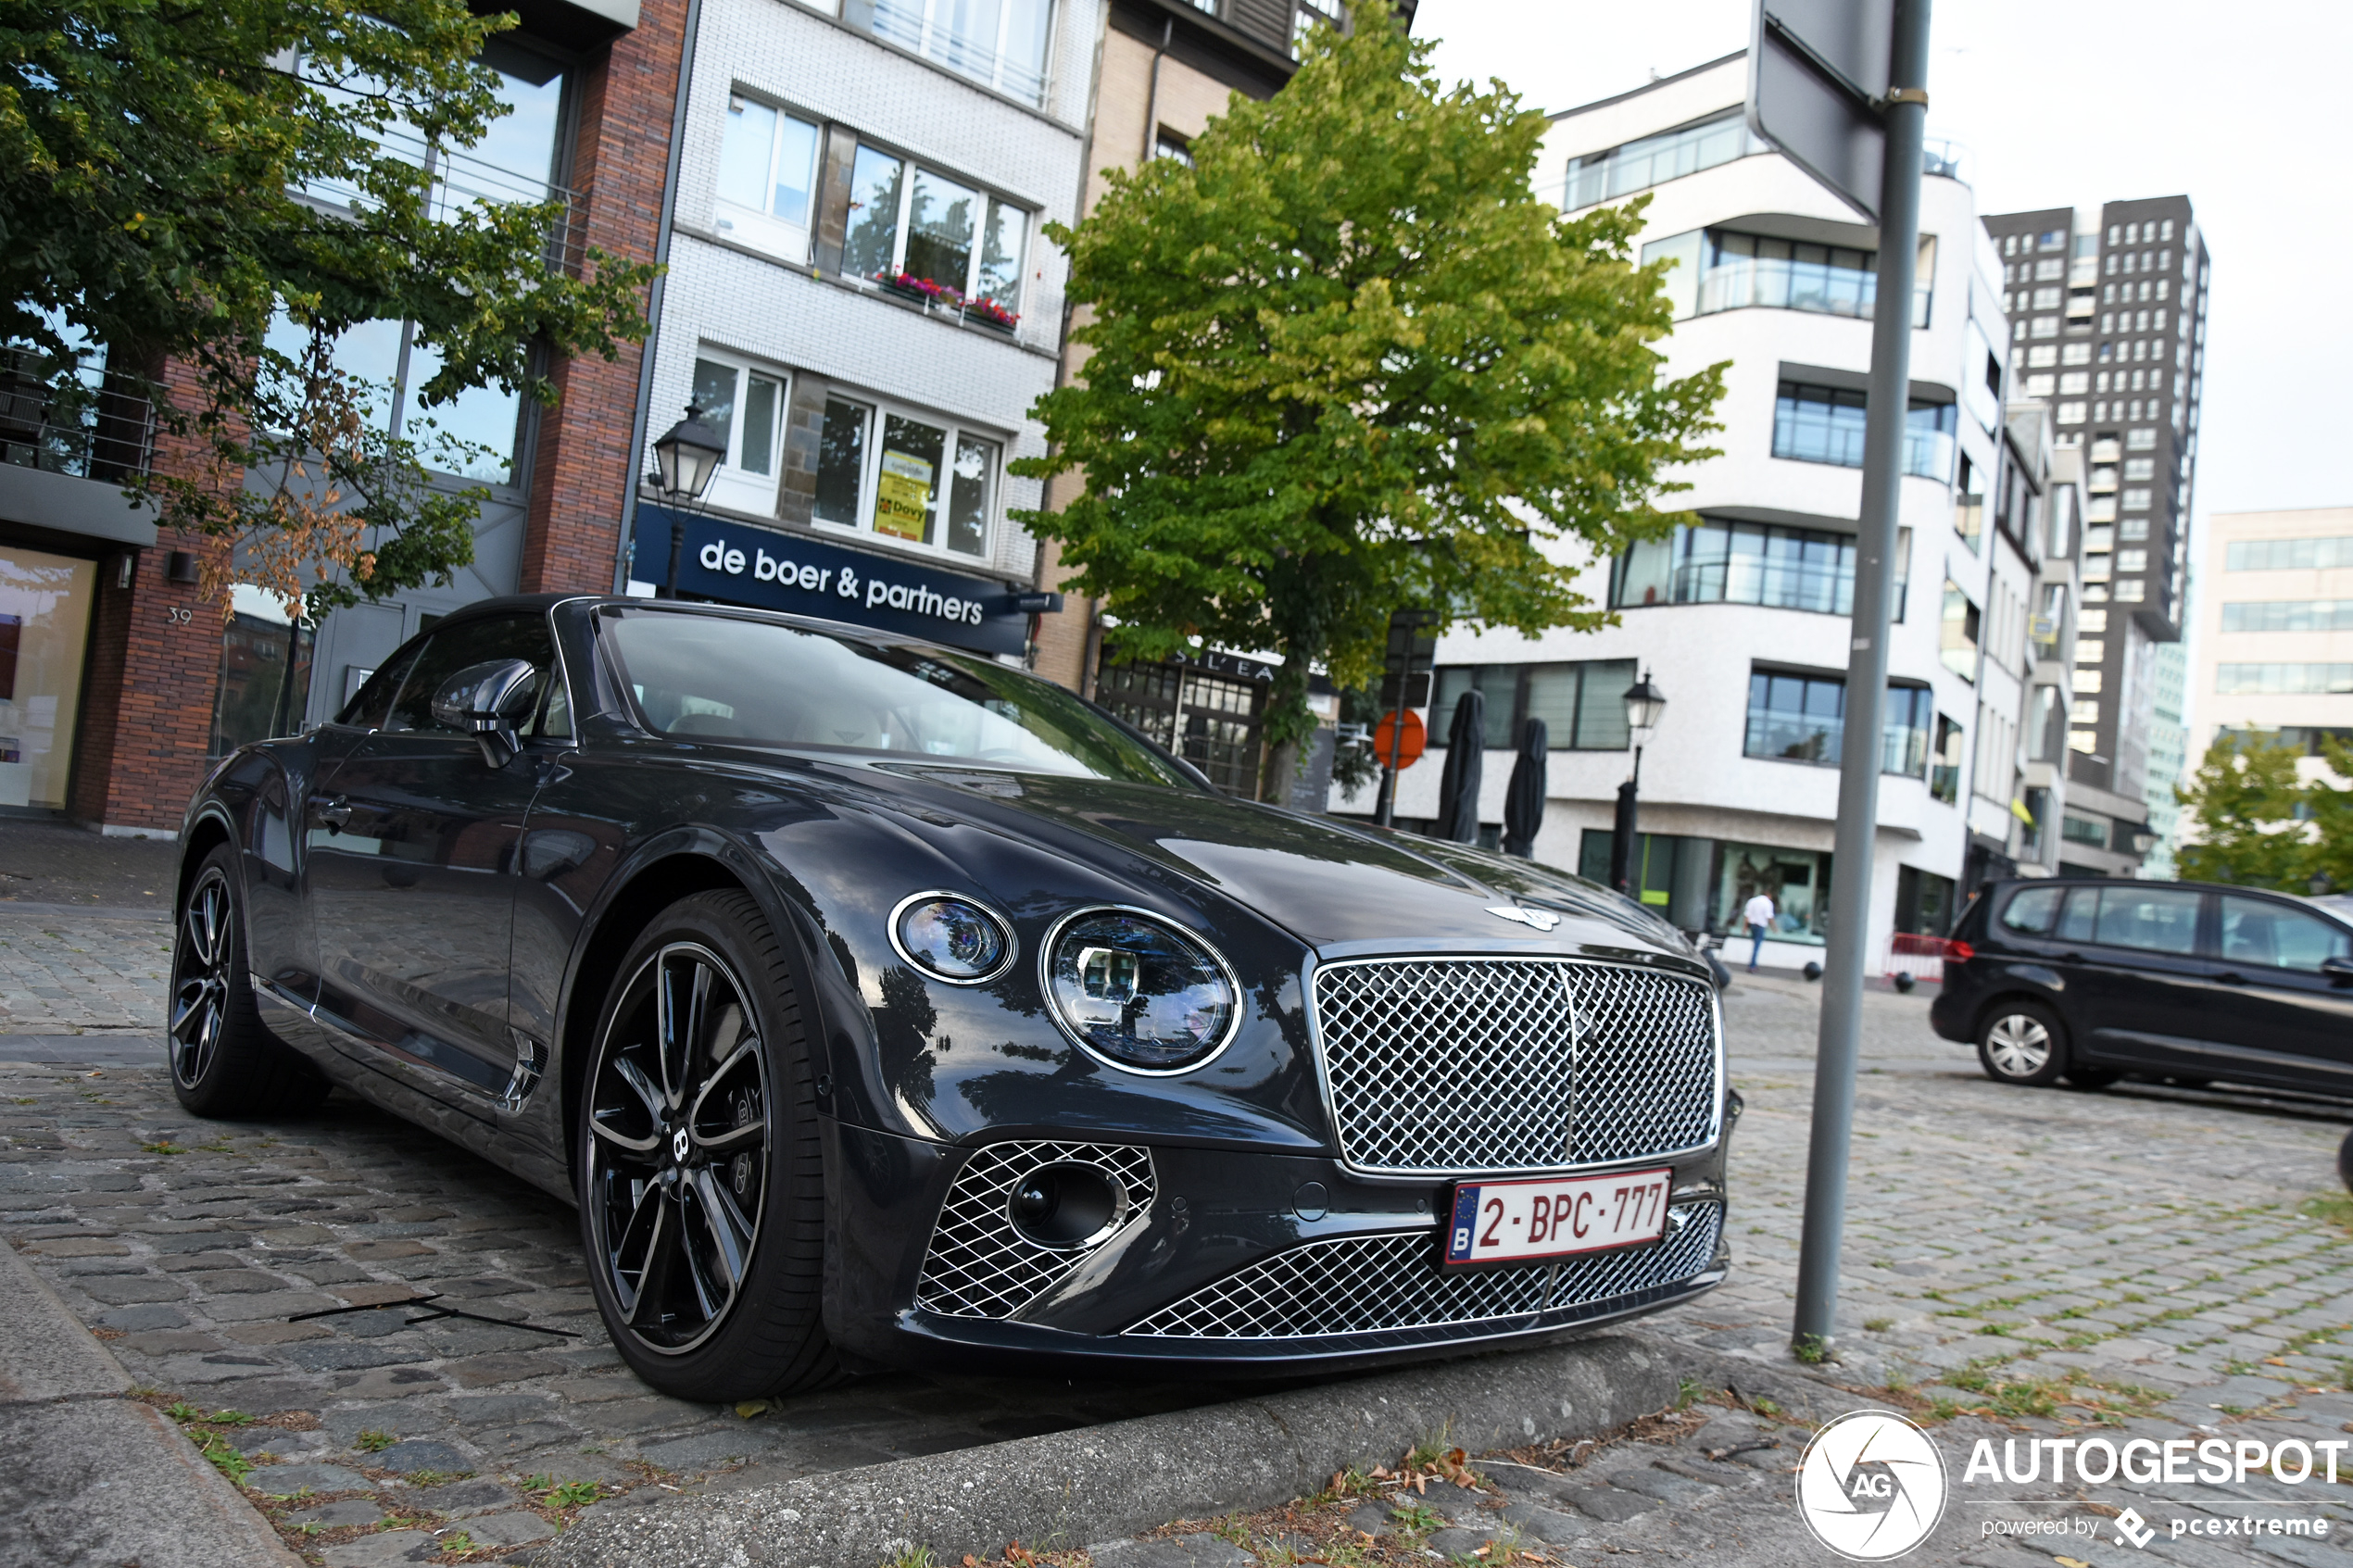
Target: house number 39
x,y
178,616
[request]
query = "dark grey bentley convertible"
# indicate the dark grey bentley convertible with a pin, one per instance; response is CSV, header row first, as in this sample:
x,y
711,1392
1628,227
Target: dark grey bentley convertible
x,y
880,1004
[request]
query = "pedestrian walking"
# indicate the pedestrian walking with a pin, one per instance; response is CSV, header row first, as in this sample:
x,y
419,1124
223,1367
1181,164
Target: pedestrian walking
x,y
1760,914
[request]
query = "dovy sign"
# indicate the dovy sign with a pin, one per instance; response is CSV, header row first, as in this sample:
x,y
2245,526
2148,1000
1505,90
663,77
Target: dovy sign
x,y
841,581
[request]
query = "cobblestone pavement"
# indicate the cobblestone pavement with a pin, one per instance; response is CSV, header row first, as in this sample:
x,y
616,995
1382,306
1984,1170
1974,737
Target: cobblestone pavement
x,y
2138,1257
72,974
2019,1265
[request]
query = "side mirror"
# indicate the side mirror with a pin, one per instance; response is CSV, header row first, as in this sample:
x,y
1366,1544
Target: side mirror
x,y
2338,968
490,702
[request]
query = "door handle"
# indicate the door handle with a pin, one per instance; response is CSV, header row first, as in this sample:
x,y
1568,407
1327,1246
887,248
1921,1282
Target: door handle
x,y
336,813
2231,977
2071,958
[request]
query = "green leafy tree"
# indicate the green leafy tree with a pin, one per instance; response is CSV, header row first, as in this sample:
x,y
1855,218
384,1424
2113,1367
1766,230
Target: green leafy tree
x,y
1346,362
2247,804
176,176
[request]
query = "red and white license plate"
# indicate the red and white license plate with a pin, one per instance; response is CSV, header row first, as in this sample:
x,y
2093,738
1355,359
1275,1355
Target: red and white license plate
x,y
1554,1217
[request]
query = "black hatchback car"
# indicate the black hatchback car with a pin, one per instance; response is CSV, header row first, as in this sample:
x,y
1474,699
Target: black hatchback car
x,y
879,1003
2090,979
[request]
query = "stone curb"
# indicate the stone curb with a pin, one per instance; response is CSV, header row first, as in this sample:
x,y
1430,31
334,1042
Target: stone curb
x,y
1068,1488
96,1477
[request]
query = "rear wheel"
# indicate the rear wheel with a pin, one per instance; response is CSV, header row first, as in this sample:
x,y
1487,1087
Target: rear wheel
x,y
2022,1042
701,1183
226,1064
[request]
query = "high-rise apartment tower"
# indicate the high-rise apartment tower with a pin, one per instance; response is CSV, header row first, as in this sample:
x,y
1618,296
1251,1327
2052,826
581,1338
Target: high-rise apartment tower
x,y
2107,309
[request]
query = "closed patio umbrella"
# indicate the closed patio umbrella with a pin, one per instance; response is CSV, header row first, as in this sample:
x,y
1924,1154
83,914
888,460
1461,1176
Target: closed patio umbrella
x,y
1524,800
1458,785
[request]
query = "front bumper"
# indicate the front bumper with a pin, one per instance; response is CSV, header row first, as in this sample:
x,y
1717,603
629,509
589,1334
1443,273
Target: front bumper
x,y
1234,1263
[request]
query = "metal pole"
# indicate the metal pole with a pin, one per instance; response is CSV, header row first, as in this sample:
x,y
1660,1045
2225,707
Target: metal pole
x,y
1834,1061
1621,843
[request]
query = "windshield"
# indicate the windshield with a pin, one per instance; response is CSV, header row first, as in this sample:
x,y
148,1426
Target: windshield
x,y
718,677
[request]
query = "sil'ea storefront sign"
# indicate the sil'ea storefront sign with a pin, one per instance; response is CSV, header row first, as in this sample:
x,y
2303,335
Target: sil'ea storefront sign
x,y
744,564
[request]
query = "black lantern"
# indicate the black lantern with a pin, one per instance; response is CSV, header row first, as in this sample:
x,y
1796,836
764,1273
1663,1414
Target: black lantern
x,y
685,461
687,457
1644,705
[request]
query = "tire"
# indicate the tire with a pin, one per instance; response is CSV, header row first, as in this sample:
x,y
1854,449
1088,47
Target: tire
x,y
705,1238
226,1064
2021,1042
2345,1161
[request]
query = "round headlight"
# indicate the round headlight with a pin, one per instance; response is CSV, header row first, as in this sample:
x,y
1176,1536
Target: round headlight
x,y
1139,994
952,939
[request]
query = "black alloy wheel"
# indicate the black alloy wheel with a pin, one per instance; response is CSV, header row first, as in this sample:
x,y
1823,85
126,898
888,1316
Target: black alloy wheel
x,y
701,1190
200,971
224,1061
2022,1042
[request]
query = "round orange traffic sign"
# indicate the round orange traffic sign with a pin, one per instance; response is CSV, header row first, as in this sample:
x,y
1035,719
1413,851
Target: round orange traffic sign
x,y
1408,743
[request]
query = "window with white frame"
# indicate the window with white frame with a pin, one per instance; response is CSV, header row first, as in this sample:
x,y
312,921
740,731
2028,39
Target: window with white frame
x,y
767,178
929,235
748,404
921,480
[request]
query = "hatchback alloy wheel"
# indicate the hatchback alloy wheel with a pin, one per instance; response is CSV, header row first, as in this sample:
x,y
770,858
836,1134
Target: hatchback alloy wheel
x,y
680,1129
200,978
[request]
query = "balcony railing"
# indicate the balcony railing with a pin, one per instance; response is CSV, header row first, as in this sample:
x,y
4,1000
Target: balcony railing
x,y
77,424
463,184
930,29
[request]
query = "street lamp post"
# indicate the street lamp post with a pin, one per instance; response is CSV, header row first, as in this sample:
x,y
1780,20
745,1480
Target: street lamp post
x,y
1644,703
685,461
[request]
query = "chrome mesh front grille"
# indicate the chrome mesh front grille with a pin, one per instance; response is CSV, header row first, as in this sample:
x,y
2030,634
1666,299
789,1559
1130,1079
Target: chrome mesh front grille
x,y
1377,1284
979,1266
1448,1066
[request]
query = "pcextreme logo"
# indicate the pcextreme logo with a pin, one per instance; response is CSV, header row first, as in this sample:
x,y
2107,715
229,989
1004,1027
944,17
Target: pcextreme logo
x,y
1871,1486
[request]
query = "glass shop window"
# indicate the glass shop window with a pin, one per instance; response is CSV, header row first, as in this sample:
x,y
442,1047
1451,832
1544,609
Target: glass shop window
x,y
45,624
916,479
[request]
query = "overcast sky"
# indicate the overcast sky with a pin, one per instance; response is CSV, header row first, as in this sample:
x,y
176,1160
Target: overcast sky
x,y
2066,103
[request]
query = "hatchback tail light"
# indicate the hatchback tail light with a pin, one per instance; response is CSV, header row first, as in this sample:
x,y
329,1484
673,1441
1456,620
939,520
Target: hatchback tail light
x,y
1957,951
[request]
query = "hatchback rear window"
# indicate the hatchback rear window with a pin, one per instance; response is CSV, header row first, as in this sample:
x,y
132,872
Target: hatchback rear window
x,y
2032,910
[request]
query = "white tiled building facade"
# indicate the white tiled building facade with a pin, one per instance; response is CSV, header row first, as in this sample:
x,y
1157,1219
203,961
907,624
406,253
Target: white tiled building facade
x,y
788,108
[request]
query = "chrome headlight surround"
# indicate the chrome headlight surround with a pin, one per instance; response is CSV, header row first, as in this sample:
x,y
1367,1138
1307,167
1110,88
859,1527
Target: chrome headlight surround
x,y
1049,949
1011,943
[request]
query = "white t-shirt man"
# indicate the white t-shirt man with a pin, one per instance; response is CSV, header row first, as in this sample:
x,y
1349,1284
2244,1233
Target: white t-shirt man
x,y
1758,913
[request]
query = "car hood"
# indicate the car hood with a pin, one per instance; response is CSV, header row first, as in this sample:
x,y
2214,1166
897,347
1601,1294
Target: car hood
x,y
1334,884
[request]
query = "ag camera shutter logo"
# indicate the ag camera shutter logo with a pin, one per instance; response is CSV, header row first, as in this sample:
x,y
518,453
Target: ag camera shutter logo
x,y
1871,1486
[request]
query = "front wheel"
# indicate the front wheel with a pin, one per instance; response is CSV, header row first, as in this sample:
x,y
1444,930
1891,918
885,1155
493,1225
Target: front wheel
x,y
2023,1043
226,1064
702,1182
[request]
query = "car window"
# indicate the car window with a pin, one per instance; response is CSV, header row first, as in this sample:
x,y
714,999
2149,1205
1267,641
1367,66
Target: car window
x,y
368,705
2155,920
2082,914
2031,911
2256,931
765,683
452,648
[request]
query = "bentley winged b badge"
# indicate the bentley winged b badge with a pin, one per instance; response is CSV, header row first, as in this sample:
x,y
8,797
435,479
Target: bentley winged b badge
x,y
1543,920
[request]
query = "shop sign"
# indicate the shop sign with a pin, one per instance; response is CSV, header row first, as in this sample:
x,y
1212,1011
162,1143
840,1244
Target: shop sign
x,y
763,567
